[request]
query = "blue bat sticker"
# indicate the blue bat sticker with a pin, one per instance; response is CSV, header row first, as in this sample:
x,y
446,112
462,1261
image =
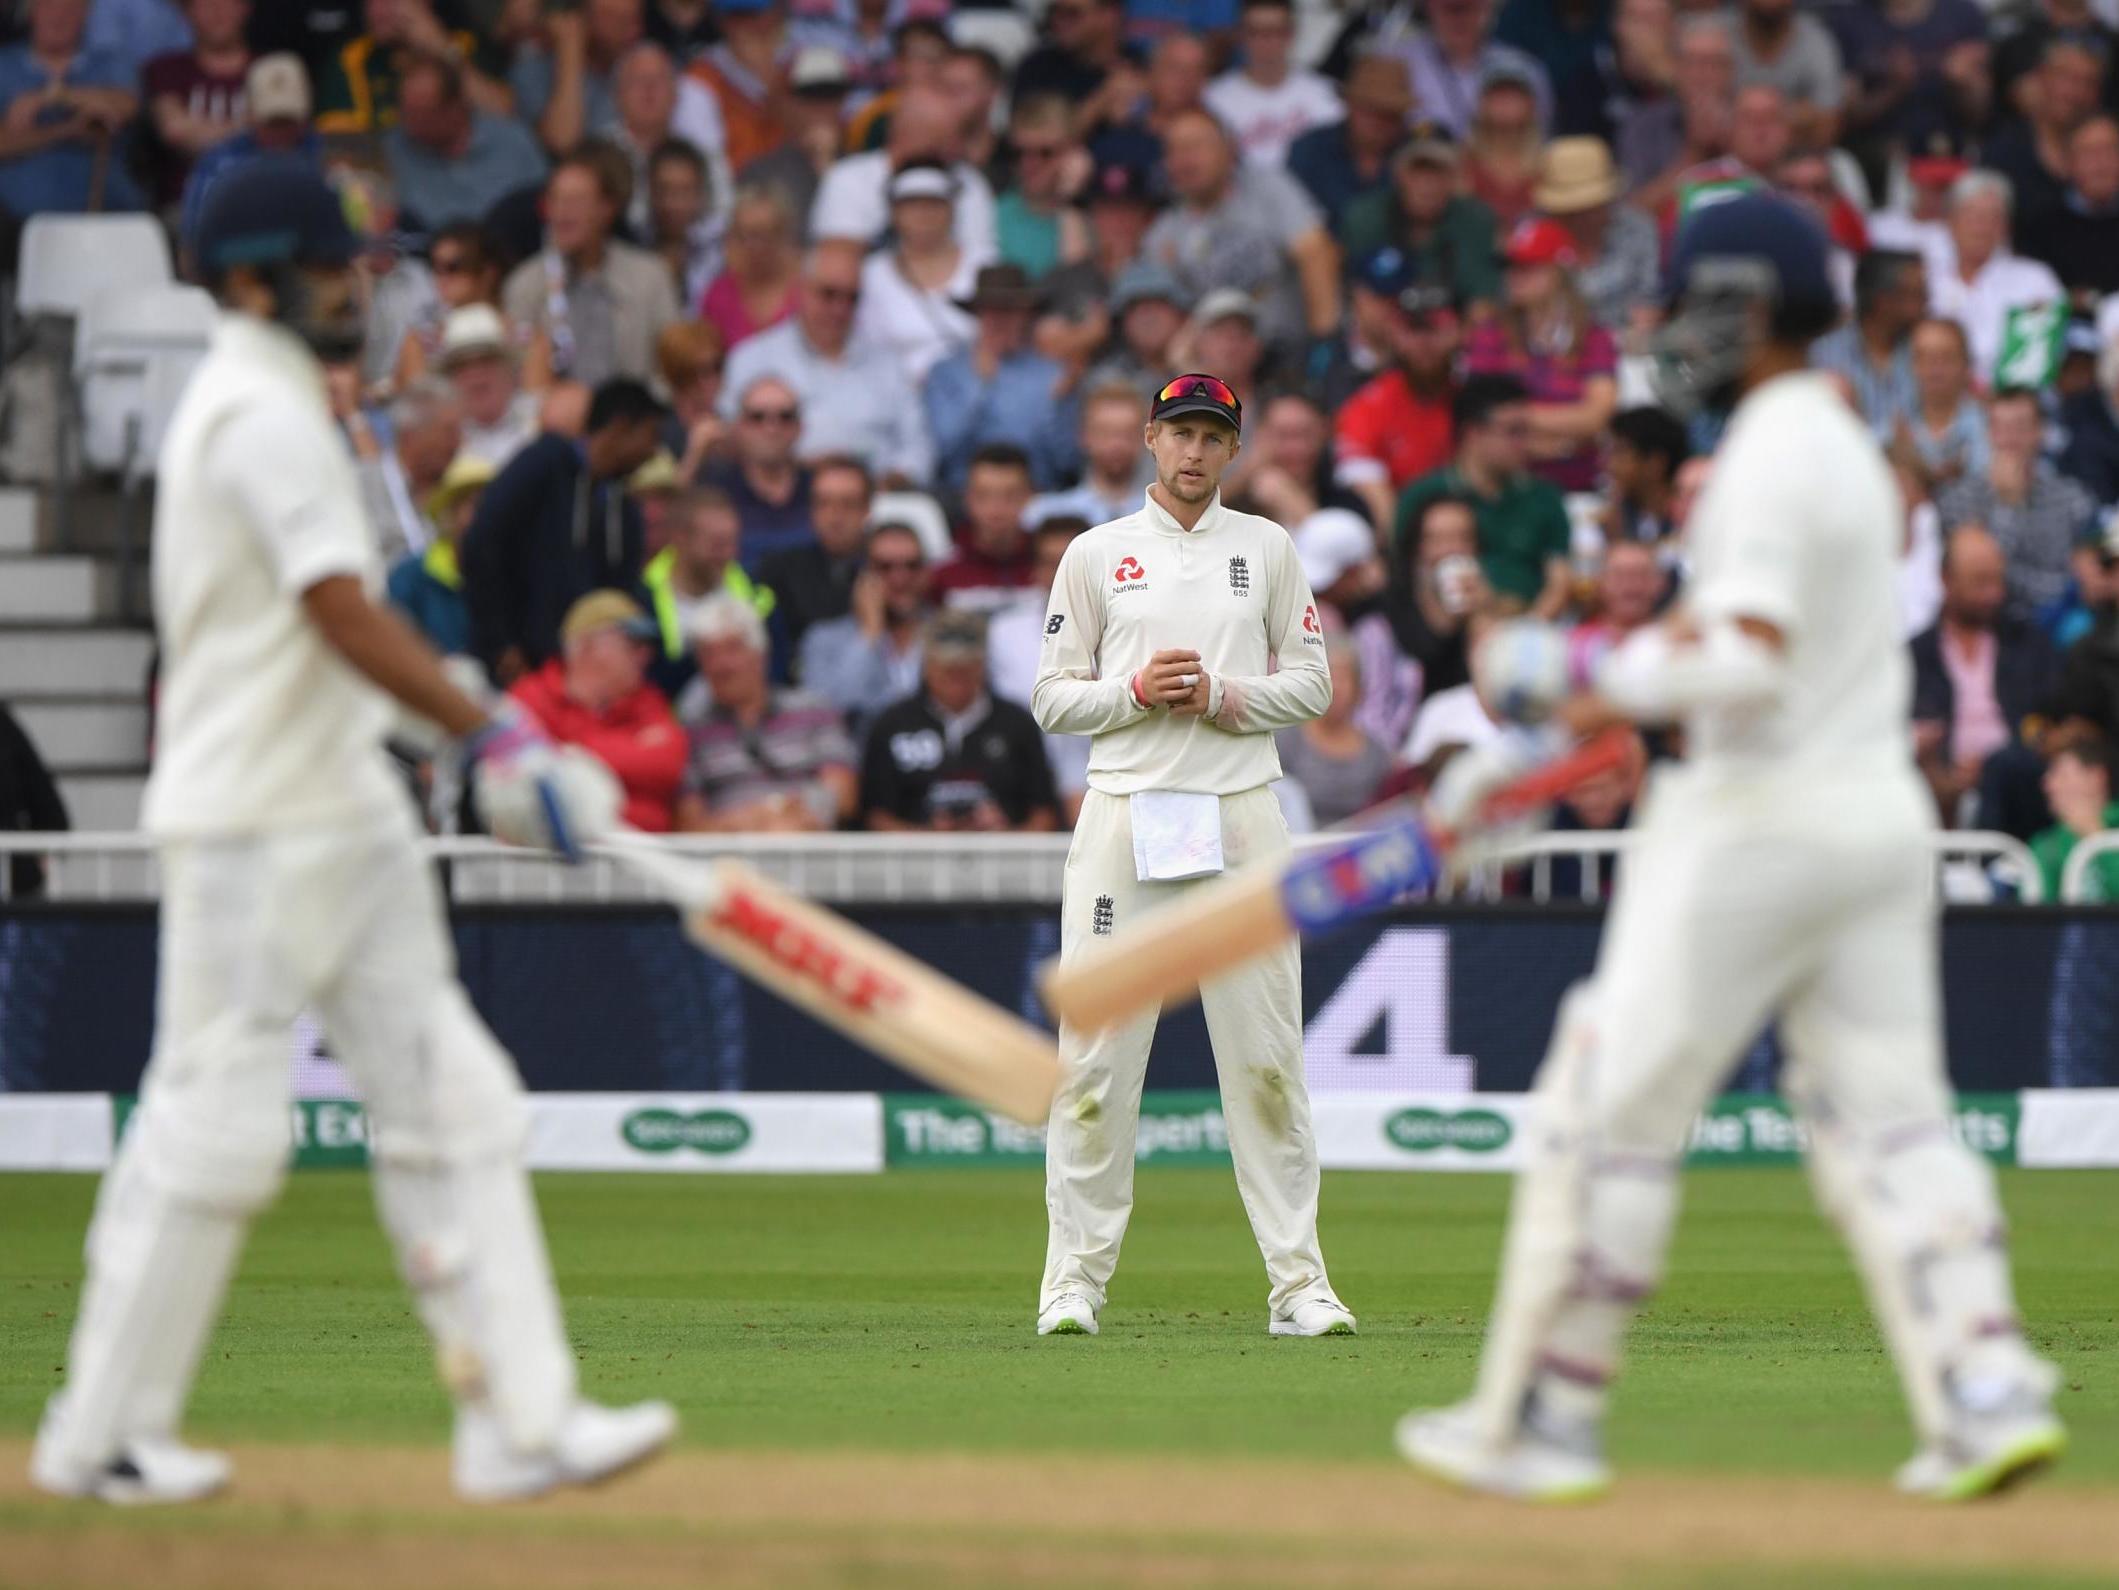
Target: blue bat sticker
x,y
1364,874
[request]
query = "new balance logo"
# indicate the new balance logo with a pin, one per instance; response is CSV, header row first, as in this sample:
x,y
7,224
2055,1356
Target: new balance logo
x,y
1239,577
1100,918
1052,624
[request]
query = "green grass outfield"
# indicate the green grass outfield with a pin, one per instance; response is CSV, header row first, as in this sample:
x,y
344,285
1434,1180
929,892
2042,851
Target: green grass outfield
x,y
895,1312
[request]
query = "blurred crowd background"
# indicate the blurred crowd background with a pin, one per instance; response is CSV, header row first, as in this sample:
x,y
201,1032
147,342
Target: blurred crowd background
x,y
738,370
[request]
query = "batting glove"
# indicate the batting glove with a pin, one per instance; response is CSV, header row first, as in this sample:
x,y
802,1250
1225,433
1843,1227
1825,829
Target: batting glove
x,y
1474,775
534,793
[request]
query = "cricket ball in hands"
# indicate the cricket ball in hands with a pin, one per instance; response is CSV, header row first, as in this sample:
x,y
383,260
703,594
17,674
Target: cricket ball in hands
x,y
1522,671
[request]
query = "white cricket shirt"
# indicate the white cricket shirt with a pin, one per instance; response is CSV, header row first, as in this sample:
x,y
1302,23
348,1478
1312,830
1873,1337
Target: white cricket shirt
x,y
261,724
1800,525
1231,590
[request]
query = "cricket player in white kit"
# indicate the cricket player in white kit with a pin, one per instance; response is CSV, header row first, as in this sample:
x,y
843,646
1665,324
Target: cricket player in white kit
x,y
292,879
1159,639
1784,870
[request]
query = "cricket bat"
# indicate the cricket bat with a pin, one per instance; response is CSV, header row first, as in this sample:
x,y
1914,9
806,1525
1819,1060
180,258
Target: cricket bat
x,y
1220,925
853,982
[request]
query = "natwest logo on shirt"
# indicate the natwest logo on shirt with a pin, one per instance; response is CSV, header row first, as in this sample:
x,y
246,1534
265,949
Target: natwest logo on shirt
x,y
1309,620
1129,575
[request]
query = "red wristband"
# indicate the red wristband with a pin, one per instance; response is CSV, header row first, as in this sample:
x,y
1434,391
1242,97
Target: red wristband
x,y
1133,686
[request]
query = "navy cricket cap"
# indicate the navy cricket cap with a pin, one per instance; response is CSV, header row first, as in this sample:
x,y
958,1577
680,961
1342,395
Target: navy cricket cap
x,y
272,210
1761,229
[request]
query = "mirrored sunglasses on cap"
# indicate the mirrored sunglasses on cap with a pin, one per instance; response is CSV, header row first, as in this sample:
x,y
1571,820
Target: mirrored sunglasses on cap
x,y
1199,394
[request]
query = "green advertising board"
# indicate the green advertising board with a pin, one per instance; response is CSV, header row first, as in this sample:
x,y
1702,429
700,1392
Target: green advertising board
x,y
1760,1129
329,1134
1176,1128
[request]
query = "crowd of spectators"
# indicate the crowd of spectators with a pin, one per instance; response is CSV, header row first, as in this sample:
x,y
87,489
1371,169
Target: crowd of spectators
x,y
746,365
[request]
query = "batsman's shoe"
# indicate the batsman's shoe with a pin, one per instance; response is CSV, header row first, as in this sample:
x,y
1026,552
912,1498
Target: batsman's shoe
x,y
1321,1315
595,1443
144,1472
1069,1314
1446,1444
1988,1452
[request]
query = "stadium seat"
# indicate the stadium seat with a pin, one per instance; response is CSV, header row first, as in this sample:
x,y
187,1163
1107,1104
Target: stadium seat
x,y
70,260
134,348
922,513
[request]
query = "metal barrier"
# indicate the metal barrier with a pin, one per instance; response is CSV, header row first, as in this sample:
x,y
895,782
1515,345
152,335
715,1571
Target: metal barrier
x,y
1992,859
2075,888
947,869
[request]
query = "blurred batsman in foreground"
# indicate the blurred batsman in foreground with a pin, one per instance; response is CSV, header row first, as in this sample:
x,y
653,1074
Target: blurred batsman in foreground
x,y
1785,870
292,879
1158,640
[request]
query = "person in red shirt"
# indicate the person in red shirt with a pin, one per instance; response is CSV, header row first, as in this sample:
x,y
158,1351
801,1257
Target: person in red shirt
x,y
595,695
1397,427
992,561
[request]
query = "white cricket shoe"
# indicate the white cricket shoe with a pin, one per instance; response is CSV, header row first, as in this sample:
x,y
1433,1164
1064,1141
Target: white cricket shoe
x,y
1445,1444
1320,1314
1069,1314
594,1444
145,1471
1990,1451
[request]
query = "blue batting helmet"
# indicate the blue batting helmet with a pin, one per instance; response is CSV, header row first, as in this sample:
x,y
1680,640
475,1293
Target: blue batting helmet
x,y
1743,271
1755,226
273,210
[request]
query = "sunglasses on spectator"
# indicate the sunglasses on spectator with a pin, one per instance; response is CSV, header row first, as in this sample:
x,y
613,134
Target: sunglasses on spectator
x,y
836,295
772,416
452,265
895,565
1025,151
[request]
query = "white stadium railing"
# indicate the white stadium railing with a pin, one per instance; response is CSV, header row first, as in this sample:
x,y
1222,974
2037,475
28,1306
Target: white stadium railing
x,y
945,869
2075,885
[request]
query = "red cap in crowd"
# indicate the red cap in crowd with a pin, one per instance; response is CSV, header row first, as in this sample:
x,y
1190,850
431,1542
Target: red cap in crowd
x,y
1537,241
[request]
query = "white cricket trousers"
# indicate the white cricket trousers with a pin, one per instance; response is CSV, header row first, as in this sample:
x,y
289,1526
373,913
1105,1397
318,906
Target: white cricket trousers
x,y
1813,903
1254,1016
349,923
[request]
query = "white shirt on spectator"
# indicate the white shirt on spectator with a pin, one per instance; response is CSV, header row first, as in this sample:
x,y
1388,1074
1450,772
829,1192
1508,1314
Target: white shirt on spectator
x,y
1920,572
506,436
859,403
1449,717
1266,120
853,200
1015,635
399,300
921,326
2005,282
1900,230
